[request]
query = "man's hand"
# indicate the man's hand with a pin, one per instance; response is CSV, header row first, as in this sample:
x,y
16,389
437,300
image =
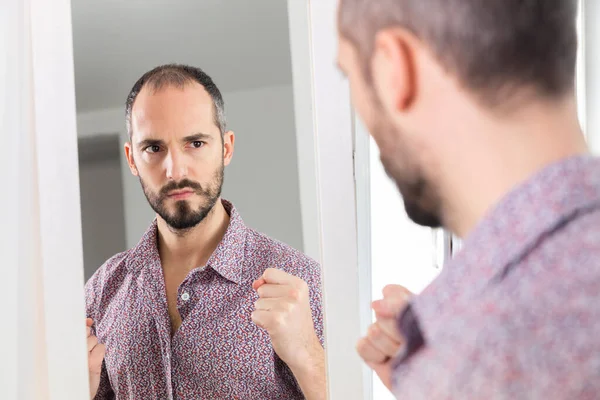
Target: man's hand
x,y
95,357
383,340
283,310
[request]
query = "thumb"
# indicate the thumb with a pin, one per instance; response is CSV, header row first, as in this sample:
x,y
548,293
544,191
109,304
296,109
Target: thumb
x,y
388,308
96,357
258,283
395,291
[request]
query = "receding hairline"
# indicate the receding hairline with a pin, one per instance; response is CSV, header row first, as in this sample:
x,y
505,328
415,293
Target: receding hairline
x,y
152,88
148,89
177,76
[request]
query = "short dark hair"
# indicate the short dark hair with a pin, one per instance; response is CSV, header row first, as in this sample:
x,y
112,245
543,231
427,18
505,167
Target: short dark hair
x,y
493,46
177,75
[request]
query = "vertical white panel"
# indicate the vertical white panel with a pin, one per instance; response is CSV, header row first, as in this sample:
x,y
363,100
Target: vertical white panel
x,y
363,226
11,58
591,46
59,207
581,68
322,102
32,363
301,52
23,359
336,193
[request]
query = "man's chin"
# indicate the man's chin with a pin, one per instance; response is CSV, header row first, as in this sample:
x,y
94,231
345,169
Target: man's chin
x,y
181,224
421,217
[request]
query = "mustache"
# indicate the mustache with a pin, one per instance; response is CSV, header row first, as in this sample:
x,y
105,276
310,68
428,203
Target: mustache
x,y
183,184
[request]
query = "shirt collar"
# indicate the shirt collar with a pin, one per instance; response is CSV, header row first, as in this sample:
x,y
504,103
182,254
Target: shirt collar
x,y
227,259
532,209
537,207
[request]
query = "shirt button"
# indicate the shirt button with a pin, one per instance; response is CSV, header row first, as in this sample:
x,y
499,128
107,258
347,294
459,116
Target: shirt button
x,y
185,296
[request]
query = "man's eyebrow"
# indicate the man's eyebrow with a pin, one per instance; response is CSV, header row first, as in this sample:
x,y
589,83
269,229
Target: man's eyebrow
x,y
157,142
149,142
197,136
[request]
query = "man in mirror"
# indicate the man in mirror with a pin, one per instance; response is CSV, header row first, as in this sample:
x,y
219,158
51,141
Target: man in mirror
x,y
203,307
472,105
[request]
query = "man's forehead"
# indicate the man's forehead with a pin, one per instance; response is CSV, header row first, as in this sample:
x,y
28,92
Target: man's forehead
x,y
186,99
194,91
171,108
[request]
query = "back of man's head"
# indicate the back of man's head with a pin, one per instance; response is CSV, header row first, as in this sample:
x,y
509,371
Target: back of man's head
x,y
493,46
452,89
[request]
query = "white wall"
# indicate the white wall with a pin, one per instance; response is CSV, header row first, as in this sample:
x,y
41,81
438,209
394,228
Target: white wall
x,y
262,180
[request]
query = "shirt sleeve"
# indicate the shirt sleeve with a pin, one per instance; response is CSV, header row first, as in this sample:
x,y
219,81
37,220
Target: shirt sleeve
x,y
92,291
316,298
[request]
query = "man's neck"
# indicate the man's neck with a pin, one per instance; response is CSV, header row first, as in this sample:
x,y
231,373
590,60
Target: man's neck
x,y
511,152
185,251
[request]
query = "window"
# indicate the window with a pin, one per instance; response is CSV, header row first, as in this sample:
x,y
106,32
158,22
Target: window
x,y
401,251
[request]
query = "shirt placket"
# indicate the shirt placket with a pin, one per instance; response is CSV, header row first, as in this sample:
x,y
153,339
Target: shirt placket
x,y
186,303
156,301
185,298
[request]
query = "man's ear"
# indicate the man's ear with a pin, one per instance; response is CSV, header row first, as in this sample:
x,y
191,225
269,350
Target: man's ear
x,y
129,156
393,69
228,147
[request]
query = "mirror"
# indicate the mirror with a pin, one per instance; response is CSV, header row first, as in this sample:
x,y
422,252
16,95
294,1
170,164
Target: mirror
x,y
183,308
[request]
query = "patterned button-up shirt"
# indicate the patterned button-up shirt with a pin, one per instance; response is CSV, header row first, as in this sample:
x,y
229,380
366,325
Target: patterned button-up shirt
x,y
218,352
516,314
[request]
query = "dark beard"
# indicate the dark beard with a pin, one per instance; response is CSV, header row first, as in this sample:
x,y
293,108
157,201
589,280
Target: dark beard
x,y
421,203
419,215
184,218
417,202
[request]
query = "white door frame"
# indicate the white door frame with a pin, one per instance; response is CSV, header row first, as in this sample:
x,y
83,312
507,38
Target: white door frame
x,y
44,272
589,67
325,134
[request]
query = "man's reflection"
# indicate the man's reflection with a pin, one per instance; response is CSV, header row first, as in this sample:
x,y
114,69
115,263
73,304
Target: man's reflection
x,y
203,307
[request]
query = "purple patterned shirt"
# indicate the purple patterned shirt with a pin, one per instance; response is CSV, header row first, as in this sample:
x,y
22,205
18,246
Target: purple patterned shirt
x,y
218,352
516,314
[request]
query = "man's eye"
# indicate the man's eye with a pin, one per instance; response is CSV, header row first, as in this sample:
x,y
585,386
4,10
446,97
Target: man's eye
x,y
153,149
197,144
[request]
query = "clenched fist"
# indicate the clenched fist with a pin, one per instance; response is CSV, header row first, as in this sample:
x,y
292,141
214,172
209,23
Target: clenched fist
x,y
283,310
383,340
95,357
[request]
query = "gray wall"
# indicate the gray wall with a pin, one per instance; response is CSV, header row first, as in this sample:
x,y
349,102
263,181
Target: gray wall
x,y
102,211
262,179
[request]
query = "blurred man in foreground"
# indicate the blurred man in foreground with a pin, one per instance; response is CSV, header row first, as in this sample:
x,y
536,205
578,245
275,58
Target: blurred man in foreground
x,y
472,105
